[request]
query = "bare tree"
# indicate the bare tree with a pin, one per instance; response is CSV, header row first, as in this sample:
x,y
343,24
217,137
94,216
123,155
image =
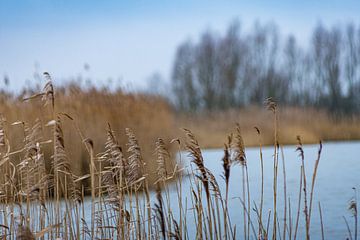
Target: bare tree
x,y
236,69
206,70
230,58
185,91
352,67
295,70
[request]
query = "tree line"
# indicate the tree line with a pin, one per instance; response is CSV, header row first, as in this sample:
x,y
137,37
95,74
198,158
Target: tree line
x,y
238,69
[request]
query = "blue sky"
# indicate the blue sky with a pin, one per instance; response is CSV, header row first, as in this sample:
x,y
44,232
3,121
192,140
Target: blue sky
x,y
130,40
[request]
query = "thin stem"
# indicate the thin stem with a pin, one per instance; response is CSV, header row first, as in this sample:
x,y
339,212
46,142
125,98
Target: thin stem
x,y
321,223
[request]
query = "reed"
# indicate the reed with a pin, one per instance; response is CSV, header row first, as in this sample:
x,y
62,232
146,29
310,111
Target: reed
x,y
42,196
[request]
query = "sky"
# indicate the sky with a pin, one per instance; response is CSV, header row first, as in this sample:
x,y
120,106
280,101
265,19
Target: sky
x,y
130,40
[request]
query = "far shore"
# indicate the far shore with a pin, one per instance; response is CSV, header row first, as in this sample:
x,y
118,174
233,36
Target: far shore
x,y
310,124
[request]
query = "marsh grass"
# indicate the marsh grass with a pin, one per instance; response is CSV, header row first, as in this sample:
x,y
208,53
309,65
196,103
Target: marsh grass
x,y
90,111
42,203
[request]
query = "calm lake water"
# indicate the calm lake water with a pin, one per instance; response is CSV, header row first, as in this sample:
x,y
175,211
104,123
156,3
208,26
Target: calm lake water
x,y
338,173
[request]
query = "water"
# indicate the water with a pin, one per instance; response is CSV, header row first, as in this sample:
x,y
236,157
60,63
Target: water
x,y
338,173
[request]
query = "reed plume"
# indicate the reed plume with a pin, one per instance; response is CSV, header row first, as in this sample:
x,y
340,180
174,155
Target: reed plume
x,y
354,211
226,164
135,161
113,177
238,147
48,94
163,156
193,147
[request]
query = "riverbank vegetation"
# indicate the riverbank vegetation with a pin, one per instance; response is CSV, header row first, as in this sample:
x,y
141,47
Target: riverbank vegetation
x,y
91,111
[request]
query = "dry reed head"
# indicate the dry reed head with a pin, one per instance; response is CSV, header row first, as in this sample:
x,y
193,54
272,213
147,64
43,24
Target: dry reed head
x,y
193,148
238,147
226,163
214,186
257,130
90,143
270,104
353,207
299,147
2,131
353,204
48,94
114,154
115,159
320,148
135,160
114,174
48,91
163,156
